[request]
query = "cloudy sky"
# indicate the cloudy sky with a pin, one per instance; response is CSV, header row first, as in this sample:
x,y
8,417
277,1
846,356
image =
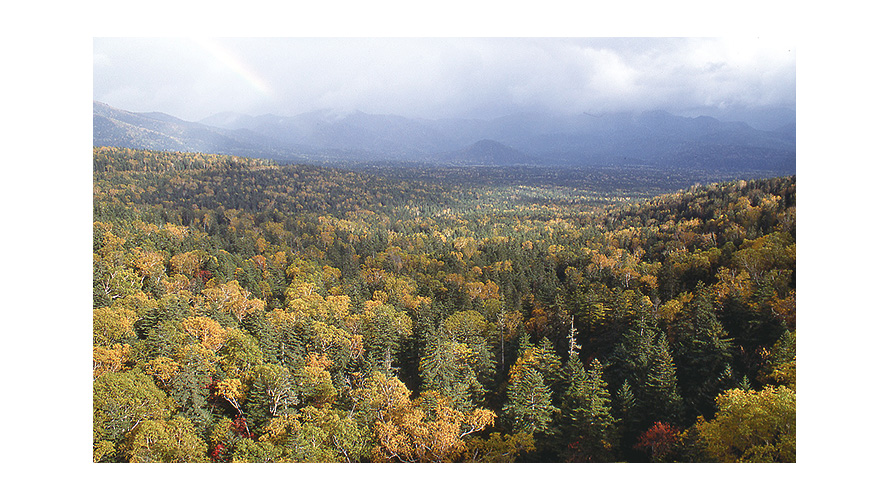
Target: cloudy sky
x,y
193,78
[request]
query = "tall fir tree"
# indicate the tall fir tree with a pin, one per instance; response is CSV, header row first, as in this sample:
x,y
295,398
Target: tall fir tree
x,y
256,324
586,424
633,353
599,411
529,404
629,418
447,367
547,361
659,398
626,403
704,355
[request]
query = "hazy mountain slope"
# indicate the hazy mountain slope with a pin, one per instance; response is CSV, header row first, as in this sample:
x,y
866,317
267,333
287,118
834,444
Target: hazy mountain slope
x,y
114,127
653,138
488,152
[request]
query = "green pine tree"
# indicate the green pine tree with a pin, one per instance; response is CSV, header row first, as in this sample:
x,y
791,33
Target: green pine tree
x,y
599,410
447,366
660,400
633,353
548,362
529,404
703,355
587,424
256,324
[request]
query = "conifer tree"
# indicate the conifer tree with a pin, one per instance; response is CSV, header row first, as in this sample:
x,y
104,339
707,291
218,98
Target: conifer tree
x,y
272,393
629,418
384,330
547,361
587,424
599,409
293,347
525,342
258,325
446,367
626,402
703,355
661,402
633,353
529,405
255,412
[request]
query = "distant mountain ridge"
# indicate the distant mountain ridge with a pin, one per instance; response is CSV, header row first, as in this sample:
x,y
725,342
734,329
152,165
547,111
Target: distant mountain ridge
x,y
651,138
119,128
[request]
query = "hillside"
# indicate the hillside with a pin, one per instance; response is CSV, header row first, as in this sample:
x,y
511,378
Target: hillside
x,y
245,311
488,152
117,128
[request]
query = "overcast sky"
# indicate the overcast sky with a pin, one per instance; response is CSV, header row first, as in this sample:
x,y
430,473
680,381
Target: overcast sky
x,y
193,78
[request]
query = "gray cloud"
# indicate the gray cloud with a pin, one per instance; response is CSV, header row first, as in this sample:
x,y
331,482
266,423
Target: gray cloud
x,y
442,77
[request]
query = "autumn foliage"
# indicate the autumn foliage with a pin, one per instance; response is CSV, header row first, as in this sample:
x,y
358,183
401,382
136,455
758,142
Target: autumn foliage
x,y
245,311
659,441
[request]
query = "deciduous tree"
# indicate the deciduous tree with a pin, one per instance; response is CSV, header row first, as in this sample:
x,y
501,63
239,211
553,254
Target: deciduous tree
x,y
752,426
167,441
122,401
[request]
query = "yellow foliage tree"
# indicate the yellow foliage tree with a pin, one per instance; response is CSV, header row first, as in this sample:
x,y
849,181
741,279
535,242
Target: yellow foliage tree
x,y
148,264
169,441
206,331
231,298
112,325
187,263
163,369
498,448
427,429
752,426
233,391
106,360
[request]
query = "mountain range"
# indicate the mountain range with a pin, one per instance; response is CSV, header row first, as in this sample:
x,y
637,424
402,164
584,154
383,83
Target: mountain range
x,y
654,138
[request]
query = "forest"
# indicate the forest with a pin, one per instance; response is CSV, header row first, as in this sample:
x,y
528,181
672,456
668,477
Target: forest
x,y
245,311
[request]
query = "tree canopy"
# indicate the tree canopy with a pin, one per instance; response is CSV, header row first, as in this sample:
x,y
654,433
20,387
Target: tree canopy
x,y
245,311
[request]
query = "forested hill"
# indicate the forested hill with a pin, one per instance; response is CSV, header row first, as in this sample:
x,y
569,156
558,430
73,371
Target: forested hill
x,y
109,159
252,312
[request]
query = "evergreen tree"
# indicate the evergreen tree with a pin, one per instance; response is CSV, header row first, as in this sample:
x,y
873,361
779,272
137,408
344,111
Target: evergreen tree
x,y
256,324
471,328
272,393
447,367
587,424
293,347
627,403
633,353
547,361
660,400
600,406
256,413
384,330
525,342
191,390
703,355
629,418
529,405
